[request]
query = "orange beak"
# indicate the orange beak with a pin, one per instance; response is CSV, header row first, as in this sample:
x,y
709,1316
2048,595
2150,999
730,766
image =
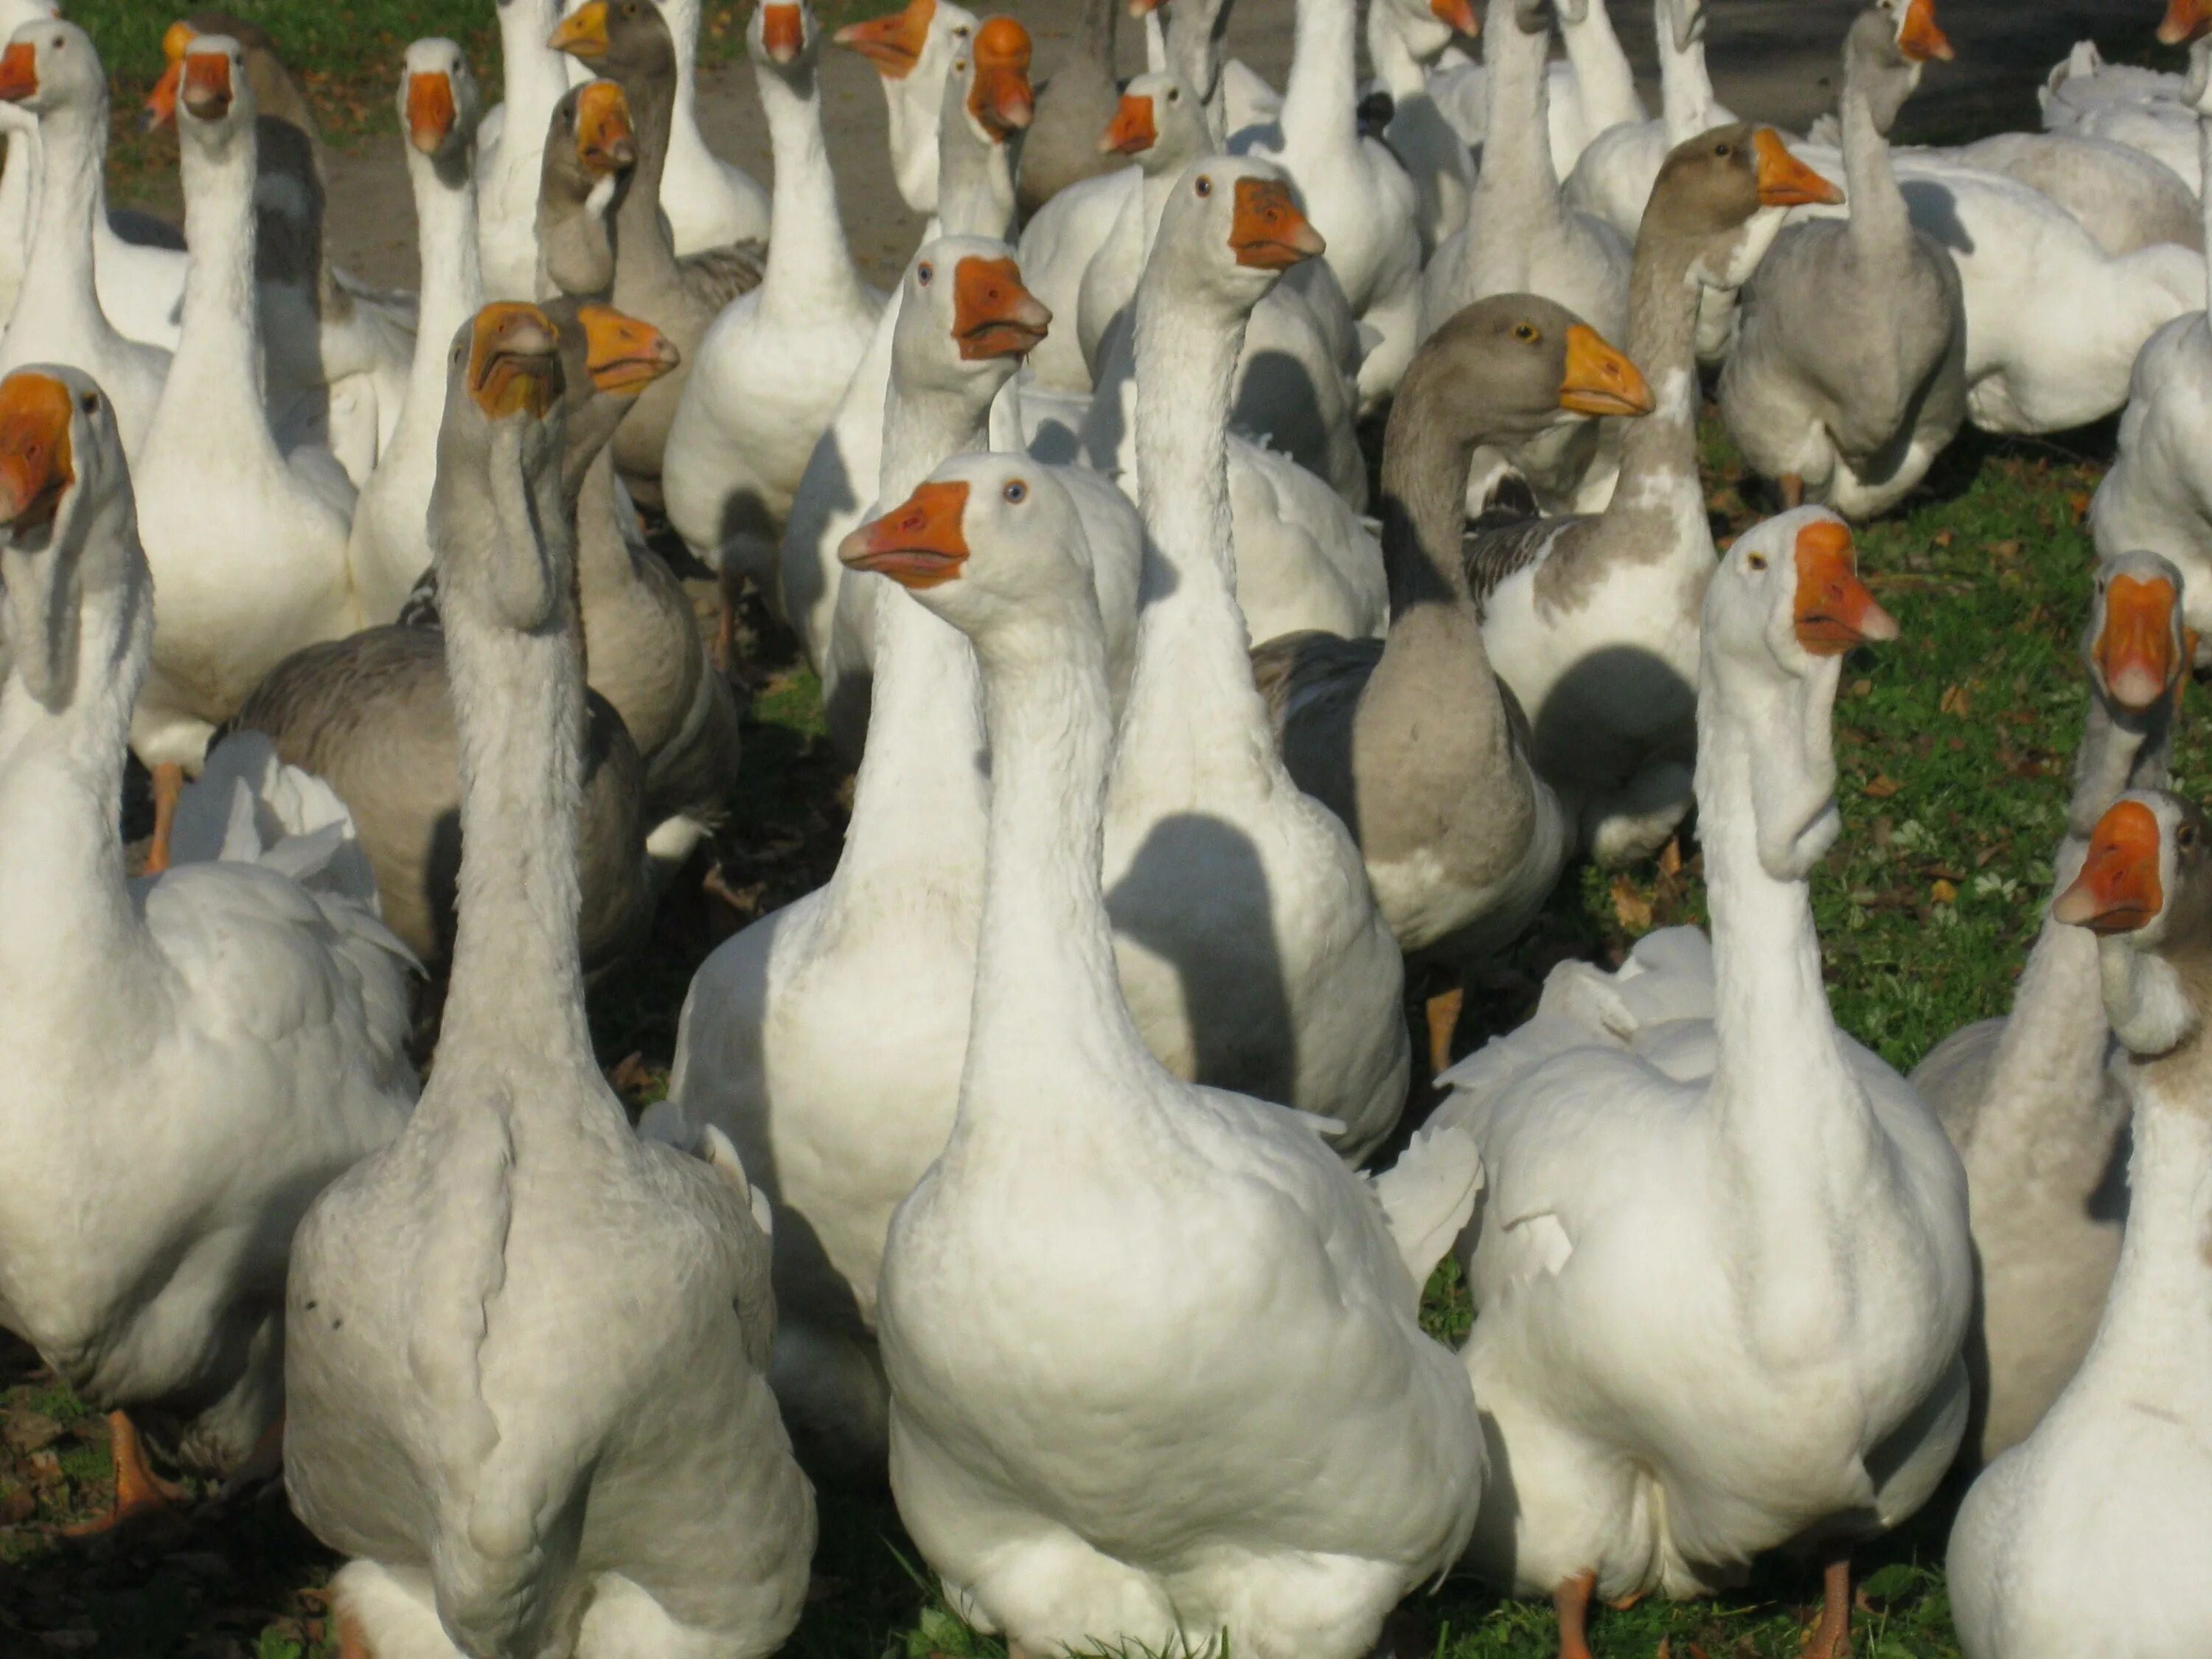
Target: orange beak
x,y
515,367
993,315
1918,38
583,33
1131,132
1835,610
1001,101
1145,8
2118,890
206,90
783,33
19,71
1268,232
2184,21
35,465
161,102
1785,181
624,353
1457,15
919,544
1600,380
431,114
892,44
606,143
2134,652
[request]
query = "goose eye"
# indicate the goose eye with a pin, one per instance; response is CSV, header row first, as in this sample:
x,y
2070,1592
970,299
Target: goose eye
x,y
90,403
1205,186
1723,150
1015,493
1756,560
924,273
1174,95
1527,333
2185,838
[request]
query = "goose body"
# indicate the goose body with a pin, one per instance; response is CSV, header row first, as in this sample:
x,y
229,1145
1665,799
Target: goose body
x,y
2144,109
1074,103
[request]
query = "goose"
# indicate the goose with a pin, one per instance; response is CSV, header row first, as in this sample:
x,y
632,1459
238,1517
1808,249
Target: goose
x,y
1593,621
1189,43
768,377
50,70
2027,1100
1688,1156
1849,374
1410,740
2154,497
630,40
2146,110
1251,950
1160,125
1589,91
266,1007
590,143
1073,104
373,713
913,51
2096,1520
1358,197
535,76
839,1132
1168,1213
248,541
1404,39
492,1491
388,546
1612,177
1519,239
20,131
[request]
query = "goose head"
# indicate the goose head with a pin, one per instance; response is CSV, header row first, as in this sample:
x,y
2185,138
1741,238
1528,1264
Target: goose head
x,y
591,138
62,477
1724,194
1231,226
992,79
439,103
1785,606
608,360
2184,21
51,65
505,543
1160,124
1889,47
624,39
965,320
921,37
214,104
1513,366
783,35
989,544
2145,891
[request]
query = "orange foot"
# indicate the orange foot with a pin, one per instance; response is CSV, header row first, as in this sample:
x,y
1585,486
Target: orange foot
x,y
1443,1011
1572,1600
1832,1637
352,1644
139,1494
168,785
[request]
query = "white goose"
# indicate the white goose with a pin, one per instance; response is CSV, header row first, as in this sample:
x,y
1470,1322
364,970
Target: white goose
x,y
495,1489
389,545
1404,37
767,379
143,1250
1161,125
1080,1175
1614,176
510,147
249,544
913,51
2147,110
1722,1272
2098,1520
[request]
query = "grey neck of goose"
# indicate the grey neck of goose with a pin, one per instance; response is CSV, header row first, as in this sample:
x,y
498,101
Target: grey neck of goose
x,y
1517,193
645,258
453,287
1880,227
809,265
62,753
214,383
576,252
58,297
1193,51
1659,496
2048,1072
604,560
1094,33
516,985
1322,98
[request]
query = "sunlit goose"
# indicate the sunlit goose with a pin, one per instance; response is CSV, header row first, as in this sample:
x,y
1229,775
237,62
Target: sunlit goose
x,y
1614,176
2148,110
510,152
590,142
913,51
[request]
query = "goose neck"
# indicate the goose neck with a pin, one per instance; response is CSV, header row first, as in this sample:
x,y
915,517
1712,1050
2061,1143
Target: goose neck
x,y
1095,26
58,289
1602,70
1393,59
643,252
1518,179
452,276
809,263
1686,86
975,182
2204,165
1422,514
213,386
1193,48
1879,221
1319,98
536,75
1659,450
924,427
603,566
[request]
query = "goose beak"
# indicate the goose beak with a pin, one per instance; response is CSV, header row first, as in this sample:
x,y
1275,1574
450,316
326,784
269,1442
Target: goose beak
x,y
1268,232
431,112
2134,651
624,354
1600,380
1001,99
161,102
920,544
1457,15
993,315
1785,181
893,44
2184,21
606,143
1835,610
1145,8
514,366
2119,888
35,463
583,33
1132,132
19,72
783,35
1918,38
206,90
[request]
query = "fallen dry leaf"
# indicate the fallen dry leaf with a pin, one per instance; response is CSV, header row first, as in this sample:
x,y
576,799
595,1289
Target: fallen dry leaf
x,y
1631,907
1956,700
1942,892
1881,787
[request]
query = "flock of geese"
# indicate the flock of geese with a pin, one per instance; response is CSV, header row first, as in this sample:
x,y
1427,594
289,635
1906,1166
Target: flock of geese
x,y
1023,1159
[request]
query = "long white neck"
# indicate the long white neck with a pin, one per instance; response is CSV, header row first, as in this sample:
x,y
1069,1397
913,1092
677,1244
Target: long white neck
x,y
1686,86
18,192
1193,50
1193,712
57,298
1320,102
975,185
809,264
452,291
910,113
215,380
535,78
1516,195
2199,68
682,19
1395,65
1602,75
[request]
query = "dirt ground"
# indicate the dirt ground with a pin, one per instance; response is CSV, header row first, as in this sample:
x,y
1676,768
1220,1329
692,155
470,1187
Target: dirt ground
x,y
1771,59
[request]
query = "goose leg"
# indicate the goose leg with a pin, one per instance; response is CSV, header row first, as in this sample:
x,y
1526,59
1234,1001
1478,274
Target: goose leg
x,y
1572,1600
1443,1010
352,1644
1793,492
137,1492
1832,1637
168,785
